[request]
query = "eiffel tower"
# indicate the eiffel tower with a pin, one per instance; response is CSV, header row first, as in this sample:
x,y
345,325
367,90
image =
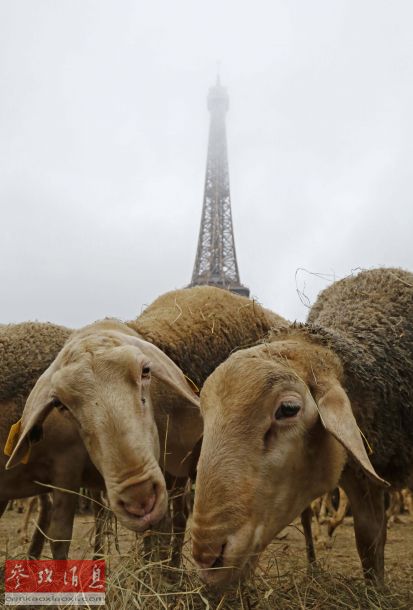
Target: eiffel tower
x,y
216,261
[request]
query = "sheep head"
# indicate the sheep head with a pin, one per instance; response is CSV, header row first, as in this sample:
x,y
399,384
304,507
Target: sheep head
x,y
101,382
278,428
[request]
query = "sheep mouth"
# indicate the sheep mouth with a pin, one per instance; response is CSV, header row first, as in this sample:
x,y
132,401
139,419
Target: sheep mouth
x,y
139,524
224,570
237,559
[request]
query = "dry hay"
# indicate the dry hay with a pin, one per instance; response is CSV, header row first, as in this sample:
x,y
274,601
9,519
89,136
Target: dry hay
x,y
132,584
281,580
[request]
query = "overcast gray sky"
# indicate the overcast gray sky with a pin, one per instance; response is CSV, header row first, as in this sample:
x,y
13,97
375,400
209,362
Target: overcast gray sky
x,y
103,139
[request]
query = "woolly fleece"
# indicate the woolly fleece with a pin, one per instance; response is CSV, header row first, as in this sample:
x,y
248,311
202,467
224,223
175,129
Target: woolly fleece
x,y
198,328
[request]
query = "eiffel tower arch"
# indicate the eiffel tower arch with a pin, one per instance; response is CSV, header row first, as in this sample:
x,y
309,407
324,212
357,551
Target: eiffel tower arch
x,y
216,260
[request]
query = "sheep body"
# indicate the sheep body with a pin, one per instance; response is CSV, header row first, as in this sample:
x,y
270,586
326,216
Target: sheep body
x,y
367,320
198,328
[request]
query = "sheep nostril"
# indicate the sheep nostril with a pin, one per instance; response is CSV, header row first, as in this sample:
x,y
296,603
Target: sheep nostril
x,y
210,558
149,504
140,509
219,561
139,500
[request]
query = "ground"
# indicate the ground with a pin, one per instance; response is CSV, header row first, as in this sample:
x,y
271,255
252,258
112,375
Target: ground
x,y
281,581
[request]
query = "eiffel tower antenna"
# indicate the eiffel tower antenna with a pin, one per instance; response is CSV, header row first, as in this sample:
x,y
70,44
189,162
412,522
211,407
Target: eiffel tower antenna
x,y
216,261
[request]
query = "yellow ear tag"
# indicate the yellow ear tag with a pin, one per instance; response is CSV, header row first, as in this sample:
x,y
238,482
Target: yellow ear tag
x,y
11,442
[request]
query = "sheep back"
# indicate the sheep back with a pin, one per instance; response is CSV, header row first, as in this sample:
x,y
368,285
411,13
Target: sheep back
x,y
199,327
26,350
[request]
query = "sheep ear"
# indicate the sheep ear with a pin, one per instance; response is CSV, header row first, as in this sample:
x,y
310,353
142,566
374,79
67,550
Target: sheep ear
x,y
164,369
338,419
28,430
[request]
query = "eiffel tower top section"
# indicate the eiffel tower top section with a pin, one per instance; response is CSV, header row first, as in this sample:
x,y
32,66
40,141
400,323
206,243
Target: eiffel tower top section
x,y
216,261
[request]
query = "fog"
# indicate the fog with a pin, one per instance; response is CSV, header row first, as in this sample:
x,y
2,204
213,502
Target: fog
x,y
103,143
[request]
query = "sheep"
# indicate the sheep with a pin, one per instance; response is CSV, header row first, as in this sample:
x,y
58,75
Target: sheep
x,y
28,506
26,350
399,501
395,505
43,503
97,391
331,510
290,419
407,497
198,327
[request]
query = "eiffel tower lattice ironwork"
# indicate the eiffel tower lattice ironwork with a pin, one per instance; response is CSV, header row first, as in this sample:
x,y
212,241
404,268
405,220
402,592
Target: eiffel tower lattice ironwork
x,y
216,261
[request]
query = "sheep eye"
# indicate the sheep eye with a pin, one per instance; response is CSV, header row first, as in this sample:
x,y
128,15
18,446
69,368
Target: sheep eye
x,y
145,371
143,401
287,409
58,405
